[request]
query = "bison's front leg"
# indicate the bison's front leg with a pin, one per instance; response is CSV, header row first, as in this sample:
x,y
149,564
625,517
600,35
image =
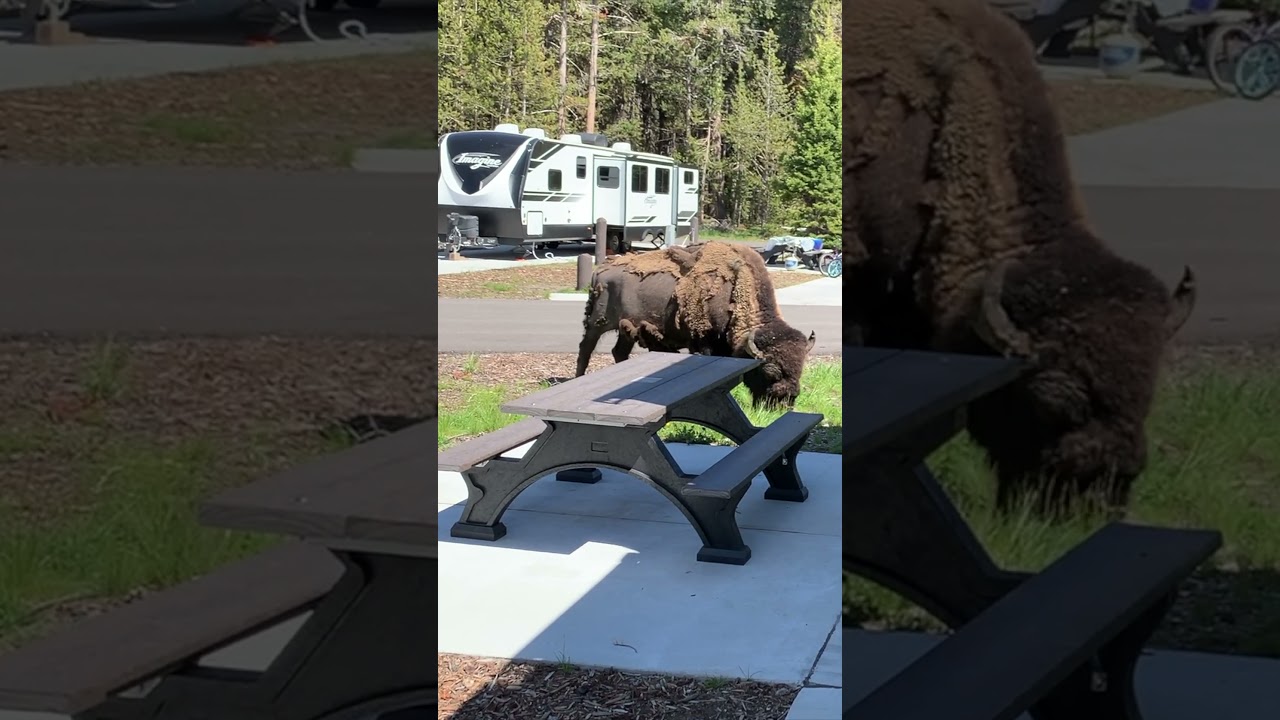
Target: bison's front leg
x,y
590,338
628,333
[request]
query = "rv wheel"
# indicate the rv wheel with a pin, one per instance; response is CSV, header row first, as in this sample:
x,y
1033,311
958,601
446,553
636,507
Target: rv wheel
x,y
614,244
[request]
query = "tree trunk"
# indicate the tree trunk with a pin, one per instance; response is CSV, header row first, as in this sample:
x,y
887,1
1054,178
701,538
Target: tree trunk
x,y
592,70
563,114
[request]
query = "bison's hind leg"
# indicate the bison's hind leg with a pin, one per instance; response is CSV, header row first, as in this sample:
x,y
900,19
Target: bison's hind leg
x,y
594,324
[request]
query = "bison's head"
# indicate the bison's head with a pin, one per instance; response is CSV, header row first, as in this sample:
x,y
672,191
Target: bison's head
x,y
781,350
1092,337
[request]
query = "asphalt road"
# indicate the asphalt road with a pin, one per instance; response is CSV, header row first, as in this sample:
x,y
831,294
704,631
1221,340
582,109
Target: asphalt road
x,y
521,326
134,251
141,251
1230,238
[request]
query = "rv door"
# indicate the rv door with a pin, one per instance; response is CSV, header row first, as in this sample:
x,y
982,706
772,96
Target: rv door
x,y
688,203
608,195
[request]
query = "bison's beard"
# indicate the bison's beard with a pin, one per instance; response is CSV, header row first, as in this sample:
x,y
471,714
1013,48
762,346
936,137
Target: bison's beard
x,y
771,392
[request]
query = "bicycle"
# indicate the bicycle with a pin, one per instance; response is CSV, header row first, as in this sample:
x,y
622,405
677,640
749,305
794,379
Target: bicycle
x,y
1228,43
1257,71
831,264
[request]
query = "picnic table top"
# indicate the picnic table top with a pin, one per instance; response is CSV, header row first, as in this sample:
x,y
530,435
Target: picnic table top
x,y
636,392
376,496
893,392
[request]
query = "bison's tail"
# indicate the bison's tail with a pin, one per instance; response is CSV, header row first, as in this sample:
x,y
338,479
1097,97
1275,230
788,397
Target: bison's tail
x,y
596,304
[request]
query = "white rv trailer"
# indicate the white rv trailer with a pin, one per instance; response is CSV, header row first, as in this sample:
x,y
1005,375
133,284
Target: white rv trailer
x,y
505,187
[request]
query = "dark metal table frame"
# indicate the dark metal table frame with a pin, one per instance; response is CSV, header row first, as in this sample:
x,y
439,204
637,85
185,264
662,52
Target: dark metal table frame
x,y
626,439
902,531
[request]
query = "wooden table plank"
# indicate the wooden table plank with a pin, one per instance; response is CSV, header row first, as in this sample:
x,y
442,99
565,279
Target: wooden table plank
x,y
631,394
864,358
894,395
377,492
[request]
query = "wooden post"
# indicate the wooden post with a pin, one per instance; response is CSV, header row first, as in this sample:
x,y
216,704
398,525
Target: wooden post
x,y
693,229
602,238
584,271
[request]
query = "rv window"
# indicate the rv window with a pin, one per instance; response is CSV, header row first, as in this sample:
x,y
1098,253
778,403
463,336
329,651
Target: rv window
x,y
582,167
607,177
554,180
662,181
640,178
688,177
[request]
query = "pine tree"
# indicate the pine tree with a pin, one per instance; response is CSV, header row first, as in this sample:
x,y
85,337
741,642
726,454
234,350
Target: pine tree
x,y
812,181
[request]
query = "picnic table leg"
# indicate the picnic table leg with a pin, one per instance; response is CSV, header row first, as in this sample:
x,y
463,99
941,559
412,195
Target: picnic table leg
x,y
718,411
493,486
1104,688
903,532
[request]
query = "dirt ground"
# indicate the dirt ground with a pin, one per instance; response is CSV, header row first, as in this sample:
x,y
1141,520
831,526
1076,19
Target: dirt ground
x,y
536,282
1087,106
483,689
297,115
278,395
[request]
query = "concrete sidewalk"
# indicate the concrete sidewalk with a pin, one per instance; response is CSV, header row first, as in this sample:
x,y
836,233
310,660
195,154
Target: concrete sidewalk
x,y
1227,144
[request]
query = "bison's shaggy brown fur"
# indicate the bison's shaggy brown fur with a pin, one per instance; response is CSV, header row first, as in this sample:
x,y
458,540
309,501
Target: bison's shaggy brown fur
x,y
713,299
964,232
702,273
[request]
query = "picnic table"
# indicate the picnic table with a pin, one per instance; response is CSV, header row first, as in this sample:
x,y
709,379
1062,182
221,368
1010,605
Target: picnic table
x,y
1062,643
611,419
350,591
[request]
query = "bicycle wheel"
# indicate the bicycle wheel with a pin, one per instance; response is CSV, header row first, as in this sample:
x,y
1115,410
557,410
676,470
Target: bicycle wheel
x,y
834,268
1257,70
1221,52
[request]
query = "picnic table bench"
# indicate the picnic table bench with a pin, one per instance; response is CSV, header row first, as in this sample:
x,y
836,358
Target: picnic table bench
x,y
1062,643
330,626
611,419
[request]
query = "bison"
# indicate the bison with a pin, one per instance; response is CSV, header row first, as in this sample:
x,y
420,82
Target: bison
x,y
964,233
713,299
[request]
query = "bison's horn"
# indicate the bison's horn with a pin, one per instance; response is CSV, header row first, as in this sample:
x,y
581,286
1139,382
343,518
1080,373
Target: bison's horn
x,y
993,324
751,345
1183,302
813,338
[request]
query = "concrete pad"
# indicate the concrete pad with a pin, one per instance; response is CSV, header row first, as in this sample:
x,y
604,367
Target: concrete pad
x,y
816,703
605,575
1223,144
822,291
830,666
1171,685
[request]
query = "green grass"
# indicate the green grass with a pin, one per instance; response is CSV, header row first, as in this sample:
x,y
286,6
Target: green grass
x,y
139,529
134,525
1215,462
192,131
476,410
